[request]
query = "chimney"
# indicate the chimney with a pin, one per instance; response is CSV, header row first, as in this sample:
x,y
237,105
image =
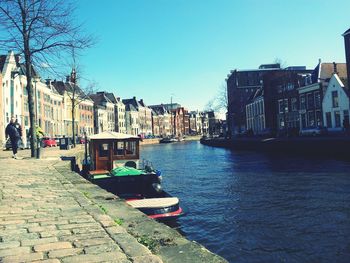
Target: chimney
x,y
48,82
335,68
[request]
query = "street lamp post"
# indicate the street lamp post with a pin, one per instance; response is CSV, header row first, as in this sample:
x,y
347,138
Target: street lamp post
x,y
35,80
85,163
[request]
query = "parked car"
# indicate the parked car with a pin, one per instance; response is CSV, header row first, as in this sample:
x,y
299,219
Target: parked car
x,y
8,144
57,140
313,131
48,142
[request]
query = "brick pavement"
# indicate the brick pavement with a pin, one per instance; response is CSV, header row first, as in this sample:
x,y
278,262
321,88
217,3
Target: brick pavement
x,y
44,218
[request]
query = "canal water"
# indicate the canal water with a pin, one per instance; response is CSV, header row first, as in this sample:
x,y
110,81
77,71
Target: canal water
x,y
254,207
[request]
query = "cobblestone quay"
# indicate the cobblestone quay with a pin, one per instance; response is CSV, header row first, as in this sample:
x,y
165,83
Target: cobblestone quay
x,y
49,214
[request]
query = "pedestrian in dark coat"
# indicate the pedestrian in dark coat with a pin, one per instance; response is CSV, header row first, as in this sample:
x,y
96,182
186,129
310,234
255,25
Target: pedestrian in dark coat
x,y
14,131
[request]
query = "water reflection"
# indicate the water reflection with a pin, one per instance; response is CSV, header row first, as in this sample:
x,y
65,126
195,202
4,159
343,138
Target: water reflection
x,y
253,207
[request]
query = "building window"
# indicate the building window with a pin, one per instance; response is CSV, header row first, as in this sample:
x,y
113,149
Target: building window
x,y
311,118
310,101
335,101
280,106
337,118
346,119
317,99
318,118
281,123
294,104
328,119
302,102
303,120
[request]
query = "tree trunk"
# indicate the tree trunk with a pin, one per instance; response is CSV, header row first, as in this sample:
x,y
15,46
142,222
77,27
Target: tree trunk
x,y
73,121
31,103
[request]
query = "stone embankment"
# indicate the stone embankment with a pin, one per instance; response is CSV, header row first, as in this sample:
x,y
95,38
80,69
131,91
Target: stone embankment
x,y
316,146
50,214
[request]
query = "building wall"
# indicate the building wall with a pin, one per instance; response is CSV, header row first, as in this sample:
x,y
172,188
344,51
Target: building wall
x,y
255,112
120,117
11,92
132,122
164,123
110,116
347,53
156,126
86,117
192,122
2,124
310,105
148,120
57,115
240,87
334,114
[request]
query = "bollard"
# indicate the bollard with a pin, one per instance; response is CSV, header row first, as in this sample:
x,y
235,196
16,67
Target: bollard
x,y
38,152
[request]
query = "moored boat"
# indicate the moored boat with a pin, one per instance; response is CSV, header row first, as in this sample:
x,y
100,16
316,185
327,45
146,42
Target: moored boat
x,y
115,167
158,208
168,140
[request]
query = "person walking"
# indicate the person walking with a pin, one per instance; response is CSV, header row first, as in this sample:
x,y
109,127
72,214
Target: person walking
x,y
14,131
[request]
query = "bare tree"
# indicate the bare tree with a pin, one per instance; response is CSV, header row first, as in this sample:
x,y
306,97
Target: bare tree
x,y
281,62
42,31
77,95
220,101
222,98
210,106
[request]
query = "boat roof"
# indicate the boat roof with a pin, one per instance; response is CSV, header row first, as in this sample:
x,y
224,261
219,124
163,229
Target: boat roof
x,y
109,135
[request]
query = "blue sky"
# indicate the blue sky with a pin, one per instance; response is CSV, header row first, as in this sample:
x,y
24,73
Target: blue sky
x,y
155,49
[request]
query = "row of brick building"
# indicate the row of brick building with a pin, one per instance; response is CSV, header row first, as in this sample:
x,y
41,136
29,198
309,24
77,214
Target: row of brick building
x,y
283,101
94,113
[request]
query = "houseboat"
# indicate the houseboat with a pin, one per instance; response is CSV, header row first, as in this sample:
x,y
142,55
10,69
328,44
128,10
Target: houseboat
x,y
115,166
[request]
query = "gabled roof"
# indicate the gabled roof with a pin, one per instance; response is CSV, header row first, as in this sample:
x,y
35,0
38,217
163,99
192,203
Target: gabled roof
x,y
324,71
111,97
100,98
343,82
23,70
130,107
109,135
327,70
132,102
154,113
61,87
211,114
159,109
